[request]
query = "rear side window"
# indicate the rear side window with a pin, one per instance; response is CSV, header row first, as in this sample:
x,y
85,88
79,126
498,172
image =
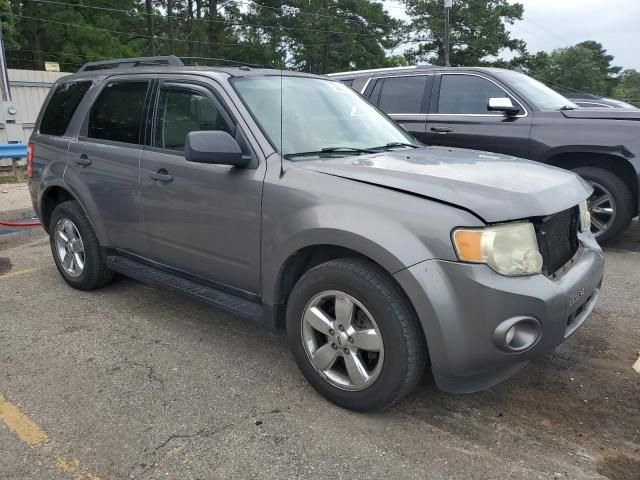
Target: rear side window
x,y
402,94
117,113
61,107
467,94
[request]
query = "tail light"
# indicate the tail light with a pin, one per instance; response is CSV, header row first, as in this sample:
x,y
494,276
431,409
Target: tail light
x,y
30,154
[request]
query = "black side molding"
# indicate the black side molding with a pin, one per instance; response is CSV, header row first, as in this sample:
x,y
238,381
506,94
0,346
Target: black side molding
x,y
222,300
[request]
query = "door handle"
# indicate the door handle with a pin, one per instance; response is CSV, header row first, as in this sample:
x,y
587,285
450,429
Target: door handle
x,y
161,175
82,160
442,130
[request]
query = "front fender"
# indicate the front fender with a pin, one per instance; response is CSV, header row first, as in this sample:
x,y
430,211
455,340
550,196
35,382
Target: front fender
x,y
392,228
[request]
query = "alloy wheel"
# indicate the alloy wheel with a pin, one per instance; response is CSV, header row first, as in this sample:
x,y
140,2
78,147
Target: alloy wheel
x,y
69,247
342,340
602,208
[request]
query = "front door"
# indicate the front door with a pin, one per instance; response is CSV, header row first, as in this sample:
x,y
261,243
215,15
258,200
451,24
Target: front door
x,y
202,219
460,118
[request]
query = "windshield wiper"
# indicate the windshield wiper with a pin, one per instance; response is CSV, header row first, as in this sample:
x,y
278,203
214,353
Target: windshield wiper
x,y
330,150
393,145
566,107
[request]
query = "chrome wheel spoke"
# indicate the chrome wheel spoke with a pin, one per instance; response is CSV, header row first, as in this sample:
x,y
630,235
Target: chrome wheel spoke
x,y
318,320
78,261
324,357
600,201
602,211
356,370
61,237
366,340
67,260
598,226
344,310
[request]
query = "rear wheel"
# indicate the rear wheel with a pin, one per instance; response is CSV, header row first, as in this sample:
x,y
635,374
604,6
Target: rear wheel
x,y
75,248
610,205
354,336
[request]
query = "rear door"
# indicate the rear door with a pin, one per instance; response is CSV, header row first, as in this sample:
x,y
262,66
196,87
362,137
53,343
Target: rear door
x,y
405,98
459,116
103,165
201,219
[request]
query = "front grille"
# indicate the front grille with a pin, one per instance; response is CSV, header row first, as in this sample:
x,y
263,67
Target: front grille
x,y
558,239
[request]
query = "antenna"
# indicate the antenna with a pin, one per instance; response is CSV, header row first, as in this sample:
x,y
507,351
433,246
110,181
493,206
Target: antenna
x,y
281,97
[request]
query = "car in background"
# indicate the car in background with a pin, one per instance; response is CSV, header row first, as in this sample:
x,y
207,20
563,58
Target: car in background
x,y
586,100
504,111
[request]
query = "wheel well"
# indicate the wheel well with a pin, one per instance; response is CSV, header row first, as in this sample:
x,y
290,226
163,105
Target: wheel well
x,y
614,164
307,258
50,200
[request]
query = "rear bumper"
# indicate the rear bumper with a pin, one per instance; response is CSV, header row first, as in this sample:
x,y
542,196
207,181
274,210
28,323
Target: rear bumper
x,y
460,307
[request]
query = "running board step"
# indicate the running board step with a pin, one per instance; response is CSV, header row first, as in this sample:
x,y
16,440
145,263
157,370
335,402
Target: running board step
x,y
224,301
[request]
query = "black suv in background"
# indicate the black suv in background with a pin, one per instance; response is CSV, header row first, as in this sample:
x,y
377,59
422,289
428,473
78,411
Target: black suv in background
x,y
504,111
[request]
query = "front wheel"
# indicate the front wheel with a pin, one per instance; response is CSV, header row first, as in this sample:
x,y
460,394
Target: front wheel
x,y
354,336
610,205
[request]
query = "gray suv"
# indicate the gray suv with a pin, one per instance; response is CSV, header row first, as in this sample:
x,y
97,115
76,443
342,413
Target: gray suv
x,y
289,199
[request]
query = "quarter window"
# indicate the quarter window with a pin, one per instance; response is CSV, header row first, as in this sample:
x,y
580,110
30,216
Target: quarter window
x,y
182,111
403,94
61,107
117,114
467,94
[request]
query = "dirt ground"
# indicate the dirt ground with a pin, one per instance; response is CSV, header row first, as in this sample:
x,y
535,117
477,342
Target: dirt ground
x,y
132,382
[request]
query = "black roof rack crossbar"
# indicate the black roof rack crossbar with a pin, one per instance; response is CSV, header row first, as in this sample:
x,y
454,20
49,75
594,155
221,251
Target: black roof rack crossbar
x,y
132,62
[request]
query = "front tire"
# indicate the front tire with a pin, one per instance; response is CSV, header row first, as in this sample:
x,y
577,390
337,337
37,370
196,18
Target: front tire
x,y
75,248
610,205
354,336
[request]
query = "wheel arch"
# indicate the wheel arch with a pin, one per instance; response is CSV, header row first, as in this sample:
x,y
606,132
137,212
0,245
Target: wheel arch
x,y
305,258
611,162
55,194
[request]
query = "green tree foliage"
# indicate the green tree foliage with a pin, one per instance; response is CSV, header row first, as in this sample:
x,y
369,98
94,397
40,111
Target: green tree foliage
x,y
318,36
628,88
477,30
585,67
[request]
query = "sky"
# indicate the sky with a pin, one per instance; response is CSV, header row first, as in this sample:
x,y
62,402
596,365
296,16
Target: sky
x,y
549,24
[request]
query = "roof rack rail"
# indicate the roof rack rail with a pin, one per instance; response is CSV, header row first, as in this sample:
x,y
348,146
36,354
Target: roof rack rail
x,y
224,61
132,62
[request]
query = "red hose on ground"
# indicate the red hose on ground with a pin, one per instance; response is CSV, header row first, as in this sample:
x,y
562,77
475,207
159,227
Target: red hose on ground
x,y
19,224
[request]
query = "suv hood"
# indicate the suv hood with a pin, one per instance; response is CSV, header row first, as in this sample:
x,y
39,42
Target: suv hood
x,y
604,113
494,187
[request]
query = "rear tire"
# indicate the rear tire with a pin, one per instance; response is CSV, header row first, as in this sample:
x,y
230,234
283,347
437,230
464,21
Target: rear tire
x,y
381,336
75,248
606,183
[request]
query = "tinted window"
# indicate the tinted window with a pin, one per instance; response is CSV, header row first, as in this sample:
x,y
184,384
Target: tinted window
x,y
60,109
467,94
402,94
117,113
183,111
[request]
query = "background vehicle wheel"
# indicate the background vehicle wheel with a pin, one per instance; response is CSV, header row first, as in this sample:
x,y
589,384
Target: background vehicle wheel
x,y
354,336
75,248
611,204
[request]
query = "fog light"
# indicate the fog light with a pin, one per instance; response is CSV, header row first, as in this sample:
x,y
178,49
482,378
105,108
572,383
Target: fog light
x,y
517,334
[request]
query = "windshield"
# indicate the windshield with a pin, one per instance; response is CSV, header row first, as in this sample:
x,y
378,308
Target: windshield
x,y
318,115
537,92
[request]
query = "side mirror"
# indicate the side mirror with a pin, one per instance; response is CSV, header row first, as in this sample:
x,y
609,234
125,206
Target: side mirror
x,y
214,146
502,104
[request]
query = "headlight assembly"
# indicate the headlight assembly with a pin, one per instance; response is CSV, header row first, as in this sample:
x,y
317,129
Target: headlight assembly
x,y
509,249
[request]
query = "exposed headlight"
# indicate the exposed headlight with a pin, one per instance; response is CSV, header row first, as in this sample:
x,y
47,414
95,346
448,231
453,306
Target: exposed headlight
x,y
585,217
509,249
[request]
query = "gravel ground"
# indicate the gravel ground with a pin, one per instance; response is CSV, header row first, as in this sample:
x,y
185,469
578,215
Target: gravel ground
x,y
132,382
